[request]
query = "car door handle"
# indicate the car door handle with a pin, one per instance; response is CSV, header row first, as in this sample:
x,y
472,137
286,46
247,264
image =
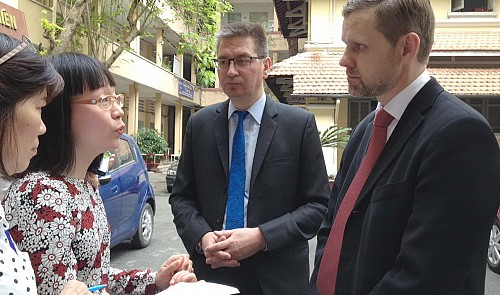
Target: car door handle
x,y
114,189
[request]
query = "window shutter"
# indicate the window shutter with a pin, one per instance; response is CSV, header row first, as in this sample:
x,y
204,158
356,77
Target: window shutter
x,y
456,5
491,5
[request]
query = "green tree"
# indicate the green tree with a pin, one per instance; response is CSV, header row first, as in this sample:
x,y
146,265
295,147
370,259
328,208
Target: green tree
x,y
86,22
81,22
202,20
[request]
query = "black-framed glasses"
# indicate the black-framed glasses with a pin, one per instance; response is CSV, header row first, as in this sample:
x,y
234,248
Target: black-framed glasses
x,y
26,43
105,101
240,62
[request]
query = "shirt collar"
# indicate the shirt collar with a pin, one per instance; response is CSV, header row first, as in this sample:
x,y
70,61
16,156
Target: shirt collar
x,y
398,104
256,110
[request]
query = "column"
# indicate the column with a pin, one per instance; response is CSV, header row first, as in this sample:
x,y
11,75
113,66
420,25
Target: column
x,y
180,69
164,121
135,45
159,47
133,109
178,128
158,113
275,21
217,84
147,113
193,71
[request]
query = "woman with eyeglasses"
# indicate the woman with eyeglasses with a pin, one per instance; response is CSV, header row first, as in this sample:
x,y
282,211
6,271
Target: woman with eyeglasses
x,y
27,83
56,214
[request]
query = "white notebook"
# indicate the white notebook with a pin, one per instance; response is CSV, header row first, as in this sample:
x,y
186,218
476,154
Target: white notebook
x,y
200,288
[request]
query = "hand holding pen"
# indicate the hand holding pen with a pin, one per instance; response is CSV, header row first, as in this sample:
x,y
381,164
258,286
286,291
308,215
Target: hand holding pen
x,y
74,287
97,288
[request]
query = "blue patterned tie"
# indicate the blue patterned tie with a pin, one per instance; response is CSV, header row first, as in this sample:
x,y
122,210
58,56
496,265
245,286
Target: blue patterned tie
x,y
236,192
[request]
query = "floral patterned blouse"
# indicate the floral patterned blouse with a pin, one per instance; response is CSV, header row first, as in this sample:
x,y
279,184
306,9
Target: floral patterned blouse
x,y
62,223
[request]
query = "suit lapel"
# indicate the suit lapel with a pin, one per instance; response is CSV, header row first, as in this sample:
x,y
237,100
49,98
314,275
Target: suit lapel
x,y
267,128
222,135
411,120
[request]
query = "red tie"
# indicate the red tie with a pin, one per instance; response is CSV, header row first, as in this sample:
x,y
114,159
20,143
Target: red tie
x,y
327,275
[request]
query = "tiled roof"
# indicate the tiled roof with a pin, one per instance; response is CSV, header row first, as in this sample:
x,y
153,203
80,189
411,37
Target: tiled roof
x,y
314,73
320,73
468,81
484,40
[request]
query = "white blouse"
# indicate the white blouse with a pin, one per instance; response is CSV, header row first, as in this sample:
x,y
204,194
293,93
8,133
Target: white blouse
x,y
16,272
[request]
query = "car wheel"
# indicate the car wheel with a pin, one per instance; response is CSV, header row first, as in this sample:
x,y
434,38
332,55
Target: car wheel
x,y
169,188
494,247
144,233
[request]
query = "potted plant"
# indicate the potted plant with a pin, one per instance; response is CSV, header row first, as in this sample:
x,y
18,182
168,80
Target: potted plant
x,y
152,145
331,179
334,137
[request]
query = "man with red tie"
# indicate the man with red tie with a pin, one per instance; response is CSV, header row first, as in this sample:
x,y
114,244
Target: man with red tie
x,y
414,199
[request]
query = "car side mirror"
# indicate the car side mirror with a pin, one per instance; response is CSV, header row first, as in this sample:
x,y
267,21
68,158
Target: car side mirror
x,y
103,180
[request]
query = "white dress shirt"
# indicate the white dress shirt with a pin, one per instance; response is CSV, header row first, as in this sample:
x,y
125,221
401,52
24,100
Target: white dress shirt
x,y
398,103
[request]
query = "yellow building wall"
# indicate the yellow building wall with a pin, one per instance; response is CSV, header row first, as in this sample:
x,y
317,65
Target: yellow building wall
x,y
33,14
341,118
324,115
443,7
13,3
320,21
211,96
325,20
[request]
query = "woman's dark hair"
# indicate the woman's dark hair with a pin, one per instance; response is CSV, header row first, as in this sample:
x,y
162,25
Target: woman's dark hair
x,y
56,151
23,75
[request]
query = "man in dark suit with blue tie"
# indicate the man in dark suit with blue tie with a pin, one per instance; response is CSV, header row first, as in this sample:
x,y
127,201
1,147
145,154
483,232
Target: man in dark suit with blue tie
x,y
251,186
421,218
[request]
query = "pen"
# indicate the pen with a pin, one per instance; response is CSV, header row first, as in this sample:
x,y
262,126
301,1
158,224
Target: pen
x,y
98,287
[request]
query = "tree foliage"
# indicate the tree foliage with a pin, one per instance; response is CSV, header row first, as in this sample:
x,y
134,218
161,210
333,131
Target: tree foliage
x,y
82,22
86,22
202,20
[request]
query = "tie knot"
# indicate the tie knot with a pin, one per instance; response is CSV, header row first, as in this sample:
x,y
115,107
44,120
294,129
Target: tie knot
x,y
241,115
382,118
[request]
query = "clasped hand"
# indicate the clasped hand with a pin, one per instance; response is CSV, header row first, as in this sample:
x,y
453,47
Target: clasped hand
x,y
227,248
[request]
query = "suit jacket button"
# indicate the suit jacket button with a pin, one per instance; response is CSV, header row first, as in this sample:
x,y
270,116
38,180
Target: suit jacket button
x,y
219,220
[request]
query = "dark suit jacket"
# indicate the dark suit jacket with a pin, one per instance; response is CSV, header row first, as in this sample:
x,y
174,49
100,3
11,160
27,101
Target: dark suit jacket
x,y
288,195
422,220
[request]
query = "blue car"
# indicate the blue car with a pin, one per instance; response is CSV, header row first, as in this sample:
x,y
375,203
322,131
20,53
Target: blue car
x,y
128,196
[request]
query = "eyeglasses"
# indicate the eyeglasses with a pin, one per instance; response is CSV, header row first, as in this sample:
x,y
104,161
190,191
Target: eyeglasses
x,y
105,102
26,43
240,62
